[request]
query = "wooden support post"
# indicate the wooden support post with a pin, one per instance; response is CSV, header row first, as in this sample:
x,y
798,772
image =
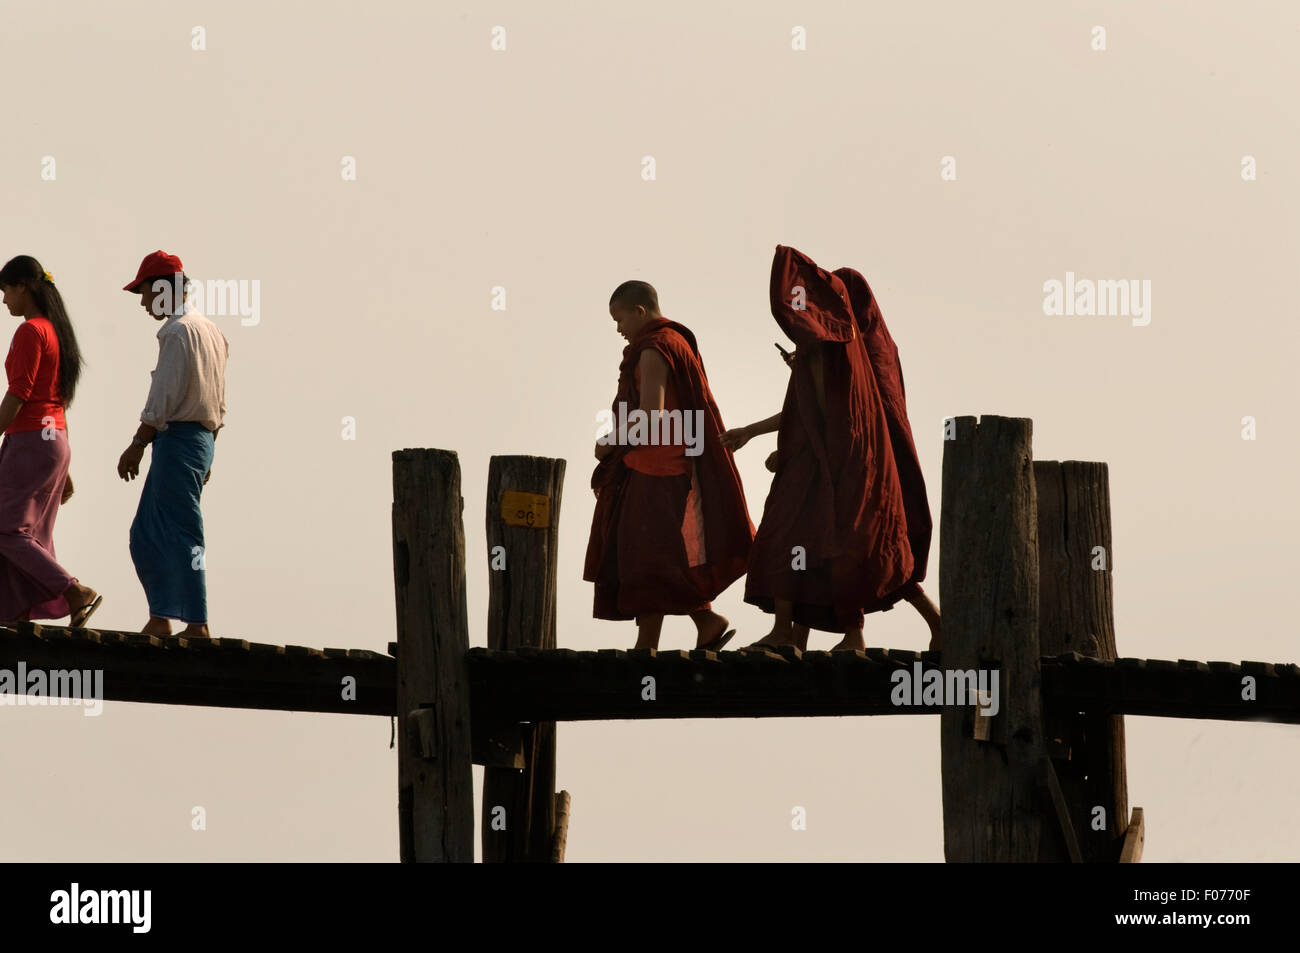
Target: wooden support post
x,y
561,838
523,534
1076,614
434,775
994,807
1135,836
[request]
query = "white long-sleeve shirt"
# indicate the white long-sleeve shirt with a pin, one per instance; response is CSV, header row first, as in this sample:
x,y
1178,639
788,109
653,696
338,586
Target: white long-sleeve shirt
x,y
189,382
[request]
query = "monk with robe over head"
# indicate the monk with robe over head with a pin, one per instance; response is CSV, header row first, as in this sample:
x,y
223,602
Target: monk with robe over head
x,y
838,530
671,529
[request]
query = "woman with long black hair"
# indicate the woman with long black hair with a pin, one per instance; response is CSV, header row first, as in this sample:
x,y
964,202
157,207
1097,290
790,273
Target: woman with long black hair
x,y
43,366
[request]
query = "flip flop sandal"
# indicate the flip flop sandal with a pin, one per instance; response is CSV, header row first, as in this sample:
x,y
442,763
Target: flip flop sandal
x,y
84,613
717,643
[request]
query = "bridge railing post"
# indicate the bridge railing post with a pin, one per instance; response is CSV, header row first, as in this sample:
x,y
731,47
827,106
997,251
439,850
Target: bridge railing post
x,y
520,817
434,770
993,798
1076,613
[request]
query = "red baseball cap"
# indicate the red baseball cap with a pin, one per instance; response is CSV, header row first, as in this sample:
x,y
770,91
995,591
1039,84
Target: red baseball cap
x,y
157,264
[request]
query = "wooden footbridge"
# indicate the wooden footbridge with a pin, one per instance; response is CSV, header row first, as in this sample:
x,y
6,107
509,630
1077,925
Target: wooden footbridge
x,y
1025,591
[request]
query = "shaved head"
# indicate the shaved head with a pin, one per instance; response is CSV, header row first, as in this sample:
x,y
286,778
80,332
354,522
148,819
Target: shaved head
x,y
632,293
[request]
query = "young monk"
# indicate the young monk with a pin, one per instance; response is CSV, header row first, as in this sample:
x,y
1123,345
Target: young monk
x,y
670,530
882,352
834,541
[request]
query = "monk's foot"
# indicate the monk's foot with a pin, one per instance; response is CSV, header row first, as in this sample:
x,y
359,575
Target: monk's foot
x,y
156,627
709,627
195,630
853,642
775,638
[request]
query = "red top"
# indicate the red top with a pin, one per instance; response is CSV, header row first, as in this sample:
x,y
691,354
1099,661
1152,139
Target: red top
x,y
33,370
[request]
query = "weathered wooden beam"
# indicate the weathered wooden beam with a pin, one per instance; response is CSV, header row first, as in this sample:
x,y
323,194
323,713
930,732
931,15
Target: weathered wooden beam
x,y
435,782
993,806
523,537
1076,615
1065,824
1222,691
561,837
1135,836
564,685
219,673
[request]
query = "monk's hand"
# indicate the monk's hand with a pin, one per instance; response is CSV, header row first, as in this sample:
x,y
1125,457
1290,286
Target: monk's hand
x,y
67,490
603,450
770,463
733,440
128,465
207,476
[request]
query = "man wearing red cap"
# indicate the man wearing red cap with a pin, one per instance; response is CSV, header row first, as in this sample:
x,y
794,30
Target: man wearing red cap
x,y
185,410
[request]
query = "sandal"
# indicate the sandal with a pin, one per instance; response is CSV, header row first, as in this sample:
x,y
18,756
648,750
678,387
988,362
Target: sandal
x,y
82,615
717,643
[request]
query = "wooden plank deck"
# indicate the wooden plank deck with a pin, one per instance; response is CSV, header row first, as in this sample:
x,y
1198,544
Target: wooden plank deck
x,y
569,685
222,673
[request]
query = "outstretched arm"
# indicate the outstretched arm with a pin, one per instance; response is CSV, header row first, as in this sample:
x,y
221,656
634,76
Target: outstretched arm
x,y
733,440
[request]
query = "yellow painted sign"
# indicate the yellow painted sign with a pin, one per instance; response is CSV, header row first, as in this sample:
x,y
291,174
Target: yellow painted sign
x,y
525,509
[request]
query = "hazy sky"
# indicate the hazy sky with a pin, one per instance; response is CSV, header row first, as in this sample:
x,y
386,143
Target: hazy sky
x,y
522,168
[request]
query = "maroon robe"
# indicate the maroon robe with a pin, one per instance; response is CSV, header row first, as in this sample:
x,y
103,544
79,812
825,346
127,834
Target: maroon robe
x,y
836,494
637,554
883,355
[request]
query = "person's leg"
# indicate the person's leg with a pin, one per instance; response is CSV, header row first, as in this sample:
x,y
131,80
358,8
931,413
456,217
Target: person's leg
x,y
200,447
648,626
800,633
782,625
143,543
32,472
852,641
929,612
654,575
167,535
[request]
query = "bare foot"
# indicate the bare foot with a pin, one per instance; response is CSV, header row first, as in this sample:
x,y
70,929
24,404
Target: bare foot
x,y
775,638
195,630
78,597
852,642
157,627
709,626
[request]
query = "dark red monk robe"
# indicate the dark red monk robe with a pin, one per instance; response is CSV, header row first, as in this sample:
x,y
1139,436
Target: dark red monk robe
x,y
882,352
647,553
836,494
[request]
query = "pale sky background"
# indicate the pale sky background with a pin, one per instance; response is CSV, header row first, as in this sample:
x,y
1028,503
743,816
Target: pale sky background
x,y
522,168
